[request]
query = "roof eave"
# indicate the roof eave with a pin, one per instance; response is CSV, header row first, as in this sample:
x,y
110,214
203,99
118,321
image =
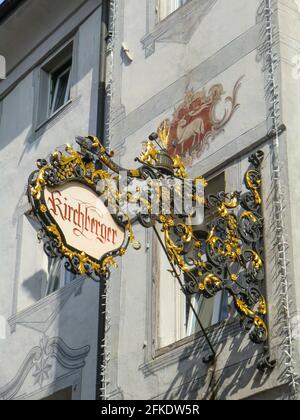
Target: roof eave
x,y
8,7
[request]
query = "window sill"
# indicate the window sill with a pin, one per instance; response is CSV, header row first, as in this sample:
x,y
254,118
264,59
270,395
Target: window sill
x,y
222,326
54,116
183,349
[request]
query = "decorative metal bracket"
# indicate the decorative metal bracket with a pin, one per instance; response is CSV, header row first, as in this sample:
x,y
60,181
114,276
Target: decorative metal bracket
x,y
227,255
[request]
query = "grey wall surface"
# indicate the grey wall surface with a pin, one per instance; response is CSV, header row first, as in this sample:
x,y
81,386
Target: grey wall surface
x,y
49,344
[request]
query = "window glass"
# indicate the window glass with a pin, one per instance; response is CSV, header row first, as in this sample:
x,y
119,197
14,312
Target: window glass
x,y
60,87
58,276
39,275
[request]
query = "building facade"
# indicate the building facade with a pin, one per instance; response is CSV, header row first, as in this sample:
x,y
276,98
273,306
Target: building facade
x,y
49,320
223,76
177,57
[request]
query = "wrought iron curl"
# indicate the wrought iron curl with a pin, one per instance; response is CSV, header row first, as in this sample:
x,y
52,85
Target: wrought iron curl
x,y
228,258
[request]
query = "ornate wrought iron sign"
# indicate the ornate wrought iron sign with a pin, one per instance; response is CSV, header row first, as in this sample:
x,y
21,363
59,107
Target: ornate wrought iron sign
x,y
76,223
80,206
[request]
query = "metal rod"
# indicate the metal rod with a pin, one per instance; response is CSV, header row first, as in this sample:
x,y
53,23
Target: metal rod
x,y
101,109
186,295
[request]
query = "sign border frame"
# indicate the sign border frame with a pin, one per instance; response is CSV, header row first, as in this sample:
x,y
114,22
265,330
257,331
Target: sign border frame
x,y
55,243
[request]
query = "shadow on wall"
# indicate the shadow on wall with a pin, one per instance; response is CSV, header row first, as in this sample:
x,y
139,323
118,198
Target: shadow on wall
x,y
219,381
34,285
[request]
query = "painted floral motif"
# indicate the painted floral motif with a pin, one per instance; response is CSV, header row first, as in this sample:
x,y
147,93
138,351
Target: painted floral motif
x,y
43,364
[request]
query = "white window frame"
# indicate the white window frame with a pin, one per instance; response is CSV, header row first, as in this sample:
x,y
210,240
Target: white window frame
x,y
52,97
173,325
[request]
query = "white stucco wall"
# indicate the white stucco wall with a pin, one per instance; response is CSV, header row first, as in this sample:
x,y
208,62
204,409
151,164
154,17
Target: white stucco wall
x,y
226,44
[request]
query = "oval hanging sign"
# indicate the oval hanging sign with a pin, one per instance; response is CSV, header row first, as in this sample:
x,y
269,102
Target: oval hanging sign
x,y
84,220
76,223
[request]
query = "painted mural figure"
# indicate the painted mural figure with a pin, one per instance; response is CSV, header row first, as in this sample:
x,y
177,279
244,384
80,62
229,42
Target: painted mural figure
x,y
195,123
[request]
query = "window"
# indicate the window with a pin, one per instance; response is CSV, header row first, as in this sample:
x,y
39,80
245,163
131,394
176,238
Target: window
x,y
57,276
175,320
166,7
210,312
173,21
60,87
55,84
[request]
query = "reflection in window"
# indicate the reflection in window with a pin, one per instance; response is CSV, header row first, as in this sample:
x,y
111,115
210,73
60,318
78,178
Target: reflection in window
x,y
58,276
166,7
176,320
60,87
210,312
214,310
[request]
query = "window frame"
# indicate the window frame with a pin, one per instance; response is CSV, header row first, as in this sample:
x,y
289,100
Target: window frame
x,y
218,304
44,72
216,313
53,96
65,277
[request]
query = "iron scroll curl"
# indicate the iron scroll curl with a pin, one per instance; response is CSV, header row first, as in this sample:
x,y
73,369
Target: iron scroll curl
x,y
229,256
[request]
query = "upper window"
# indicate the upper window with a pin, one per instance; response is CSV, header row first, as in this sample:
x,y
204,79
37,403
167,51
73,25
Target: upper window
x,y
55,84
60,87
167,7
173,21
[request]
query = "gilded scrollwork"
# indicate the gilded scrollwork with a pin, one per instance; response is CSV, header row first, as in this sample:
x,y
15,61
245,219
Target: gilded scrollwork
x,y
226,256
230,258
66,165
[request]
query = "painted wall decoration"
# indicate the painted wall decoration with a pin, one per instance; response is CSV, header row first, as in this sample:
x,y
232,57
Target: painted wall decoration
x,y
195,122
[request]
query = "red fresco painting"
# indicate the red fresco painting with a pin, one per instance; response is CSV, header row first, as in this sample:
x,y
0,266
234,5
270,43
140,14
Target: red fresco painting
x,y
195,124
